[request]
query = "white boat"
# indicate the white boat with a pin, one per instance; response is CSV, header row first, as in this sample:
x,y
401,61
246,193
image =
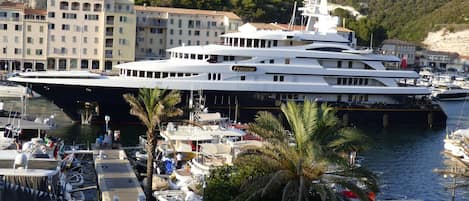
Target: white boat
x,y
457,145
450,93
13,90
34,173
250,71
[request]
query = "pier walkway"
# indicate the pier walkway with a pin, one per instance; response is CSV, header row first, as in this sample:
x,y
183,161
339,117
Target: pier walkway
x,y
116,177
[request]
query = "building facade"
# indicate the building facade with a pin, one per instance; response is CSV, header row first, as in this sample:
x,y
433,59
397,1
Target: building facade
x,y
69,35
437,59
404,50
23,37
161,28
90,35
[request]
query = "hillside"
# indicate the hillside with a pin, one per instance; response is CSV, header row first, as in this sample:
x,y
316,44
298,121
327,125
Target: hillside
x,y
412,19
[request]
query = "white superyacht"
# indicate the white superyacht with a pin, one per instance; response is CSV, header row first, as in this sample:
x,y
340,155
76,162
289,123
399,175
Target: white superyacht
x,y
254,71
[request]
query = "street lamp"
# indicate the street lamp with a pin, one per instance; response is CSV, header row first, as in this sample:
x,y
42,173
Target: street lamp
x,y
107,118
204,186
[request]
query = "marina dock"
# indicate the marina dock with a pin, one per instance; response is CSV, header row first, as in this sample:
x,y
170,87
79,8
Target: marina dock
x,y
115,175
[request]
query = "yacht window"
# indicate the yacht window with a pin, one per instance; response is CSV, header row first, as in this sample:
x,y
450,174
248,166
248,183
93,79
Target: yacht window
x,y
360,82
269,43
186,56
339,64
219,76
256,42
141,73
134,73
350,98
192,56
263,43
281,78
235,42
243,77
249,43
287,61
366,98
275,78
200,57
271,61
339,98
339,81
209,76
275,43
230,41
213,59
350,64
180,74
242,41
187,75
262,61
355,81
366,81
149,74
350,81
157,74
195,74
165,75
128,73
172,74
180,55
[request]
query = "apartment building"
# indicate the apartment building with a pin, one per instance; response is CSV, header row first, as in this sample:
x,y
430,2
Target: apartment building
x,y
23,37
437,59
90,35
161,28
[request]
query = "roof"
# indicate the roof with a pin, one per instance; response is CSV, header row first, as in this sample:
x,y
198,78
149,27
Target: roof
x,y
186,11
432,52
266,26
396,42
343,29
35,11
12,5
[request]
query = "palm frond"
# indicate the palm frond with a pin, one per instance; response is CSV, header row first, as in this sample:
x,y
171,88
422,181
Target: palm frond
x,y
268,126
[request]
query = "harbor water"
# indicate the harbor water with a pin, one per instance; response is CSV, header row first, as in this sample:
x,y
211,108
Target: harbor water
x,y
403,157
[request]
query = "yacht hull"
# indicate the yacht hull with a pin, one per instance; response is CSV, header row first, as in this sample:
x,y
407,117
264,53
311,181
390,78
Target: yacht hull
x,y
237,105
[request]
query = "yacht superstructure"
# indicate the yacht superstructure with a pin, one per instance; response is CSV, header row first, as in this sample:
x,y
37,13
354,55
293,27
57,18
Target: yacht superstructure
x,y
248,72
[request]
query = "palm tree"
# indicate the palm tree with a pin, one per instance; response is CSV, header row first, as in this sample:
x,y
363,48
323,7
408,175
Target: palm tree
x,y
152,106
299,165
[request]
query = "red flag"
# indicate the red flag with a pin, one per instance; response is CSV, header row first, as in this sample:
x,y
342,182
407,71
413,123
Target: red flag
x,y
404,63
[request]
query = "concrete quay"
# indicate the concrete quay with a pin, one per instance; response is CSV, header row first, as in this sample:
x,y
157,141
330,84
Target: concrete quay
x,y
115,176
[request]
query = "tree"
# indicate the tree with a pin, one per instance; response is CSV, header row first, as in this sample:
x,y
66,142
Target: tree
x,y
152,106
298,166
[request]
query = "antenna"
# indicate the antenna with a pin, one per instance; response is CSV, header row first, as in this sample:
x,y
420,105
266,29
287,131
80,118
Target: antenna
x,y
371,41
292,20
